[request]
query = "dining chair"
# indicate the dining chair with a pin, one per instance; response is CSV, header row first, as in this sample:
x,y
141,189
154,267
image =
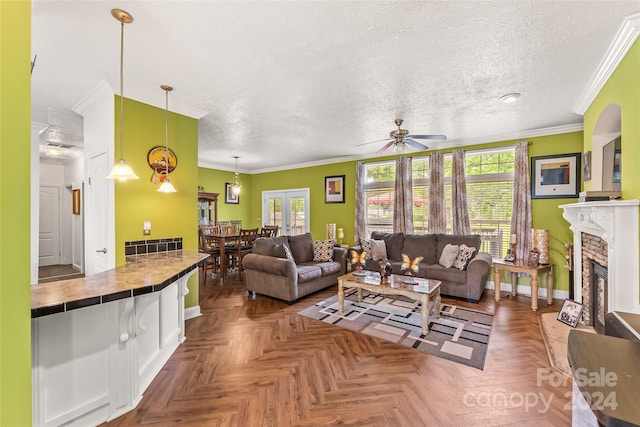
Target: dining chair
x,y
269,231
210,247
245,246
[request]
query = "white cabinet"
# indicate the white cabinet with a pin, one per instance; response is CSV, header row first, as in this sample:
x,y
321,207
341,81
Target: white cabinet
x,y
93,364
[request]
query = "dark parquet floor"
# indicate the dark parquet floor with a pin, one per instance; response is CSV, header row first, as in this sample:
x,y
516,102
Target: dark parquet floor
x,y
252,361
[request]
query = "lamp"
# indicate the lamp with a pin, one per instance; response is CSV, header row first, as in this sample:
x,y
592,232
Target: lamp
x,y
340,236
235,187
121,170
166,186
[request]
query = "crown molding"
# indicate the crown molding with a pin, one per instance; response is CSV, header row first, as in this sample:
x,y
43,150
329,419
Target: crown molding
x,y
622,42
96,96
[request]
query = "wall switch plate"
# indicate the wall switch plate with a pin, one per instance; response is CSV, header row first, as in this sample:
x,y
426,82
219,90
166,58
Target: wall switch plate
x,y
146,229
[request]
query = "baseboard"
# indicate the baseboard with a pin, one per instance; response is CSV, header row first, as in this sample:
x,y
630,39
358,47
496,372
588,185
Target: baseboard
x,y
526,290
77,268
192,312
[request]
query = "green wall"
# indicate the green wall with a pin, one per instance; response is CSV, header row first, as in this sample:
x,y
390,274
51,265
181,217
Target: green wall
x,y
213,180
623,89
173,214
15,190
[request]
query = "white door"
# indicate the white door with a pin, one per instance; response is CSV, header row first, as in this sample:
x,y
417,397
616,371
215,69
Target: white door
x,y
288,209
96,203
49,252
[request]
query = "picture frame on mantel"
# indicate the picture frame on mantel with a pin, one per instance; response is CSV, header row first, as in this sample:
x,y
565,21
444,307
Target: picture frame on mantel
x,y
555,176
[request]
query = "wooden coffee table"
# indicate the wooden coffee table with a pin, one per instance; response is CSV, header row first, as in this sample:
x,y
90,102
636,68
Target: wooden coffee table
x,y
423,290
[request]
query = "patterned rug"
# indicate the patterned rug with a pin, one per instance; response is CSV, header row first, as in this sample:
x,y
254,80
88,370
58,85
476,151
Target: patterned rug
x,y
460,334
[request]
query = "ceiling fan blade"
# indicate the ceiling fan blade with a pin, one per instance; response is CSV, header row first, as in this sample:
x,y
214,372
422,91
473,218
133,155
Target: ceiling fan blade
x,y
440,137
384,148
371,142
416,144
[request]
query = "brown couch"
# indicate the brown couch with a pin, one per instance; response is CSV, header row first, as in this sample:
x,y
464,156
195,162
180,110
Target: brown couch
x,y
268,271
468,283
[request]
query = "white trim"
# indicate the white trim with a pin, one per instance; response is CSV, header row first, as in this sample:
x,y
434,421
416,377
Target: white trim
x,y
192,312
622,42
97,95
525,290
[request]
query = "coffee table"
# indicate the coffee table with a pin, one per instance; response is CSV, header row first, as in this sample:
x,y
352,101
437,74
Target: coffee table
x,y
423,290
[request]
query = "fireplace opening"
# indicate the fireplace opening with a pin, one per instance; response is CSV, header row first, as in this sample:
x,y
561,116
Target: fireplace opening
x,y
599,304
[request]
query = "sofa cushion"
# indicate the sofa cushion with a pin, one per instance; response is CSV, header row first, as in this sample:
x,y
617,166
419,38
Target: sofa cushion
x,y
394,242
328,268
301,247
449,255
308,272
438,272
282,250
323,250
423,245
378,250
465,253
471,240
265,245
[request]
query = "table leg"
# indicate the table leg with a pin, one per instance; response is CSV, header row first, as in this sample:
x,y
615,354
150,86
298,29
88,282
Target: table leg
x,y
359,294
496,282
223,259
534,290
550,285
514,284
340,297
436,306
425,313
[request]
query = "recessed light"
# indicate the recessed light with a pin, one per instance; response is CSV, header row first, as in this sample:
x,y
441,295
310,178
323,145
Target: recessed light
x,y
510,97
53,151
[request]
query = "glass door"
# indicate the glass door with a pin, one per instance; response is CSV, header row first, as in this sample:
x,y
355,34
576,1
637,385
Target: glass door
x,y
288,209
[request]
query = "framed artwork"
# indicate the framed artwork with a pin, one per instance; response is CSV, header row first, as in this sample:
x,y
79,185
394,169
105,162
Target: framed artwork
x,y
75,199
555,176
587,166
230,198
570,313
334,189
533,258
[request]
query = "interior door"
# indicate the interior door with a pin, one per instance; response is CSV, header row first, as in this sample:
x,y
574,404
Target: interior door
x,y
288,209
96,202
49,242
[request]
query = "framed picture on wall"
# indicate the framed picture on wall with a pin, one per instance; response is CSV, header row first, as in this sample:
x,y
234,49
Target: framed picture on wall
x,y
555,176
334,189
230,197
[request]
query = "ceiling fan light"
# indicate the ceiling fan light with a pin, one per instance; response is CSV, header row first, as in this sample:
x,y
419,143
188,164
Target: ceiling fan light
x,y
167,187
122,171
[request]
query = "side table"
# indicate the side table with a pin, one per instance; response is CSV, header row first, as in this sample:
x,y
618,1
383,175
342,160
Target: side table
x,y
520,266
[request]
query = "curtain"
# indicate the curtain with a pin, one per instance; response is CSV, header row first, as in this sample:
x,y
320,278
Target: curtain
x,y
460,210
437,214
521,207
360,220
403,200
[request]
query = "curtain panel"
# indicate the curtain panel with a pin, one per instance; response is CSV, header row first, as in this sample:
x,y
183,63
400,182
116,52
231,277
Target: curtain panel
x,y
521,208
460,209
403,200
360,219
437,214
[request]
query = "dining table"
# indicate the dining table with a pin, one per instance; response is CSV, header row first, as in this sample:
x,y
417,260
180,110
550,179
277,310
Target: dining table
x,y
222,240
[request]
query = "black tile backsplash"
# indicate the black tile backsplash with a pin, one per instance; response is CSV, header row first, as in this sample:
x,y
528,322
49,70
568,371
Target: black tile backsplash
x,y
151,246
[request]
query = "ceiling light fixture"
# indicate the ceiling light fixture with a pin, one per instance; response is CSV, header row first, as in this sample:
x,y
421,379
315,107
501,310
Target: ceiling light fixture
x,y
235,187
510,97
53,151
121,170
166,186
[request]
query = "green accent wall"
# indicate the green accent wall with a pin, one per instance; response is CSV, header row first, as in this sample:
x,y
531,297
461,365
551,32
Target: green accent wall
x,y
15,189
173,214
213,181
622,89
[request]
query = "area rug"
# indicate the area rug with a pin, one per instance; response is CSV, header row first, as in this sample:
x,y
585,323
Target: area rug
x,y
460,334
555,335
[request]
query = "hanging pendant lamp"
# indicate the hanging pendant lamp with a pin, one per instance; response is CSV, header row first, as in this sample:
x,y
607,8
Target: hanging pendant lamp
x,y
235,187
166,186
121,170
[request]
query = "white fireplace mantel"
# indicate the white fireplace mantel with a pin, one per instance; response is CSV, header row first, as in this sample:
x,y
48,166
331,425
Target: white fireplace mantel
x,y
615,222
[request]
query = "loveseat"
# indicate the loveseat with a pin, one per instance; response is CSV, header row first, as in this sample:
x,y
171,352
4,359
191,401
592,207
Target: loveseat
x,y
466,280
283,267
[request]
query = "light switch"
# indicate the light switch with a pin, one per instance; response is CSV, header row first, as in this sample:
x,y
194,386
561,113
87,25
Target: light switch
x,y
146,230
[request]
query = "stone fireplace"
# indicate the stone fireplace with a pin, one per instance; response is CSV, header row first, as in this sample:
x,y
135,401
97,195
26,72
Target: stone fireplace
x,y
606,260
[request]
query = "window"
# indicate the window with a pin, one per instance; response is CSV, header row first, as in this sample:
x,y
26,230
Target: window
x,y
489,196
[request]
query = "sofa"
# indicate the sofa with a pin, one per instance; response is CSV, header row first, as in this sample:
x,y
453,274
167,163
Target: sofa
x,y
465,281
283,267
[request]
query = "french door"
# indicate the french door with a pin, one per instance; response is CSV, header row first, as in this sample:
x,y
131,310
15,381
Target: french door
x,y
288,209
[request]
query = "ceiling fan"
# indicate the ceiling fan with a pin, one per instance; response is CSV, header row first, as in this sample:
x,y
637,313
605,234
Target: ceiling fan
x,y
400,138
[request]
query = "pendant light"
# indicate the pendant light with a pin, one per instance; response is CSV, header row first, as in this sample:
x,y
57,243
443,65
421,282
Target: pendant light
x,y
121,170
235,187
166,186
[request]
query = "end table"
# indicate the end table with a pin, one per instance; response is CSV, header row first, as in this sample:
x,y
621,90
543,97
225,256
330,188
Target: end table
x,y
520,266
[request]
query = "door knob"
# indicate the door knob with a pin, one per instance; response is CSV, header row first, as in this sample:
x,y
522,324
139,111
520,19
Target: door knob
x,y
103,250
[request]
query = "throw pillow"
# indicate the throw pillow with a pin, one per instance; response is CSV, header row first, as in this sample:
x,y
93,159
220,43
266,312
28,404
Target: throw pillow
x,y
465,253
378,250
449,255
282,251
366,247
323,250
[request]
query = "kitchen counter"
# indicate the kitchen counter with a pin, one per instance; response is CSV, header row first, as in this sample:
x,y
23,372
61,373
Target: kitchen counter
x,y
141,275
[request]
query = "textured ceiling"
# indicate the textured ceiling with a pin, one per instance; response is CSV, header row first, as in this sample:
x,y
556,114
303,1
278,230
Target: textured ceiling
x,y
289,82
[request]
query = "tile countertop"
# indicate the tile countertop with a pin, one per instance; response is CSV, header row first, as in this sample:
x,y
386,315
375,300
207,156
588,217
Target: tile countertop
x,y
143,274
